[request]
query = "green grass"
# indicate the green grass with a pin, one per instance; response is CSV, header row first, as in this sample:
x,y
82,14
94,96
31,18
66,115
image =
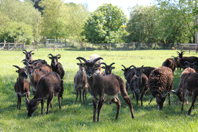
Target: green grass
x,y
78,117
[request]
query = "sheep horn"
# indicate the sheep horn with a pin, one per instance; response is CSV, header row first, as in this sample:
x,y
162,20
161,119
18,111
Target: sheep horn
x,y
94,61
104,63
134,67
186,62
82,59
123,66
50,55
131,66
112,64
58,55
16,66
25,50
79,60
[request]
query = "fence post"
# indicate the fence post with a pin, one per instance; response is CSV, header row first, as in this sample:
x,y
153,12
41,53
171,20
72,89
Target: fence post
x,y
110,46
189,48
23,45
8,46
65,43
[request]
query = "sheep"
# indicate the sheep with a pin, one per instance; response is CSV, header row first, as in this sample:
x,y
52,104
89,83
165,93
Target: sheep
x,y
50,85
56,66
170,63
190,59
177,63
28,55
35,76
38,65
80,83
192,65
161,81
104,88
108,68
139,84
190,86
98,69
22,85
180,92
129,73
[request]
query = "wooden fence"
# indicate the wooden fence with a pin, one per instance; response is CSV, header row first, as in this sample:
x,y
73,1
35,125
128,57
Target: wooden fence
x,y
12,46
189,47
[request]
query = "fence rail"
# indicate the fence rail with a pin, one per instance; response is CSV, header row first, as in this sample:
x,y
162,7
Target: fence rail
x,y
11,46
191,46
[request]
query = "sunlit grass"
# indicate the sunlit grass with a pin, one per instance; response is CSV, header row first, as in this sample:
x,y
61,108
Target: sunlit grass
x,y
78,117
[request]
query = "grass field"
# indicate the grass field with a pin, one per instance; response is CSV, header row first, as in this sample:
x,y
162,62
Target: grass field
x,y
78,117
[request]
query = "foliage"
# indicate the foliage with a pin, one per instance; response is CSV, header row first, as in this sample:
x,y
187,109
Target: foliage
x,y
78,14
54,18
75,117
22,12
18,32
104,24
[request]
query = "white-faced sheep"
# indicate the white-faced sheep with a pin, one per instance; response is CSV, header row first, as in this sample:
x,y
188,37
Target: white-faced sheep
x,y
104,88
22,85
161,81
98,69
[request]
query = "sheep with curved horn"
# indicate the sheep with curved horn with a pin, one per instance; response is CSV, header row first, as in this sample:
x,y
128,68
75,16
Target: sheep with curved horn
x,y
22,85
80,83
104,88
139,84
28,55
57,66
108,68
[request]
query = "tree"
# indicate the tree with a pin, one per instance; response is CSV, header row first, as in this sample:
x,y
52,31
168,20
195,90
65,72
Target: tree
x,y
78,15
55,19
22,12
104,24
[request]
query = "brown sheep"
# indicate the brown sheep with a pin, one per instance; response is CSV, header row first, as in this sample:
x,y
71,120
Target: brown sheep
x,y
161,81
22,85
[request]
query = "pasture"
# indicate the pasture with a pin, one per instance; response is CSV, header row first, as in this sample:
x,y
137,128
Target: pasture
x,y
78,117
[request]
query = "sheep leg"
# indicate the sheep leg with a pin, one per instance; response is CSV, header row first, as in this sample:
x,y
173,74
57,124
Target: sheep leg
x,y
84,96
182,102
142,95
76,95
94,111
42,107
80,94
59,101
128,101
117,101
48,102
136,97
19,102
169,98
100,103
195,93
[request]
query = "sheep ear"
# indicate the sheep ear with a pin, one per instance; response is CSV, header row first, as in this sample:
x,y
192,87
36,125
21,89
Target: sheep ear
x,y
122,69
81,64
32,53
59,57
50,57
17,71
24,52
112,67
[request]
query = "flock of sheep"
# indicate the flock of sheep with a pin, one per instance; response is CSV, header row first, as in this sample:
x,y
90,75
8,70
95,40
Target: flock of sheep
x,y
46,82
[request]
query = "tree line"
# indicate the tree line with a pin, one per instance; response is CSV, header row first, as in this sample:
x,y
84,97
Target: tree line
x,y
163,23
